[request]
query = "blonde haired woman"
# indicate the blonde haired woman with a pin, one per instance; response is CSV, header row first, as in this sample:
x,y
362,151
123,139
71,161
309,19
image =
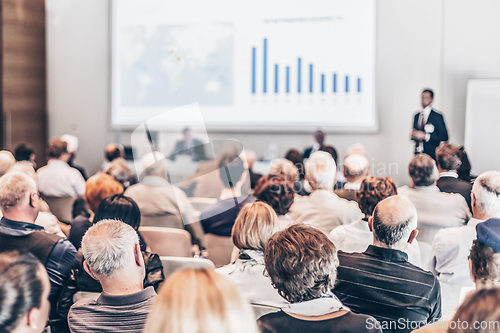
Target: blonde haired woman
x,y
200,301
255,224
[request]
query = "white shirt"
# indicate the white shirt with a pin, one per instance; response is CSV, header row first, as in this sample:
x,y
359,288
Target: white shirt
x,y
449,255
324,210
352,186
248,276
356,236
448,174
58,179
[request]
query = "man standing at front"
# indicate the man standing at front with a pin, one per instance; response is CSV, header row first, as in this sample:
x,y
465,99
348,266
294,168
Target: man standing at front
x,y
429,128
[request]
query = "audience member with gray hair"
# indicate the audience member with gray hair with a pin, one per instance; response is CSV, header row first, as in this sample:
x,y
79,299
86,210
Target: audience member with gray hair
x,y
161,203
20,204
323,208
450,248
380,281
356,168
435,209
448,162
113,257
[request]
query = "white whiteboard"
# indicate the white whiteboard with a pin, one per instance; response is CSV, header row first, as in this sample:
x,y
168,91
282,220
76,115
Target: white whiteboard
x,y
482,124
257,65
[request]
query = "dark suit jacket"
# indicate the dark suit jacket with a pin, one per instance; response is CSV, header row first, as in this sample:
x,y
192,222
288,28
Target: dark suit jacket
x,y
307,152
440,132
455,185
197,152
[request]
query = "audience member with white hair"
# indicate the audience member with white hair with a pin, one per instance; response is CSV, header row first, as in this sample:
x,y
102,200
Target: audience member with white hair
x,y
323,208
160,201
6,161
45,218
435,209
113,257
451,246
356,168
57,178
381,282
72,142
20,204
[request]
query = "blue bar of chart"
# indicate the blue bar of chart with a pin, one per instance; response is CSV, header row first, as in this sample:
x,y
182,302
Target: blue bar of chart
x,y
276,78
325,86
299,71
253,70
265,67
287,79
311,78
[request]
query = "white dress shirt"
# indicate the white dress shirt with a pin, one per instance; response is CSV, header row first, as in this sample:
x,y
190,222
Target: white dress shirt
x,y
450,251
324,210
58,179
424,113
356,236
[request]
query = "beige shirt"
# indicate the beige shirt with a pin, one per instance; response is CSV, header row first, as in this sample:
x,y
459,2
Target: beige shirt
x,y
324,210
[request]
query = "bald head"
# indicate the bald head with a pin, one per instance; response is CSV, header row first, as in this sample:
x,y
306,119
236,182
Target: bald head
x,y
154,164
356,168
114,150
394,222
24,167
6,161
18,197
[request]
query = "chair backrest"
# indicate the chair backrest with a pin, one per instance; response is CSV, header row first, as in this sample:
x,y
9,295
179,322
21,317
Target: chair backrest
x,y
167,241
162,221
450,297
219,249
172,264
201,204
61,207
259,309
425,253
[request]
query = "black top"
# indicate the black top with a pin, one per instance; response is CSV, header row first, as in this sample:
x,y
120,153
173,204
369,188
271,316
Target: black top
x,y
382,283
455,185
219,218
281,322
439,134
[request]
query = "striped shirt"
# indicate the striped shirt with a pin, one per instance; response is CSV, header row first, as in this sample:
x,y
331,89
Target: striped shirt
x,y
382,283
126,313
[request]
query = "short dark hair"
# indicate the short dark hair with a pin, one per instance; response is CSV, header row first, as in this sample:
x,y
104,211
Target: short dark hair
x,y
427,90
330,150
448,156
295,156
389,233
465,166
485,262
276,191
481,306
23,152
21,288
56,148
301,262
373,190
119,207
113,153
231,169
422,170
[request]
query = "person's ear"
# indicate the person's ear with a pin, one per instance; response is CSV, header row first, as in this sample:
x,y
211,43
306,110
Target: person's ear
x,y
32,201
343,171
87,269
32,318
412,184
473,199
413,235
368,172
472,277
139,260
370,223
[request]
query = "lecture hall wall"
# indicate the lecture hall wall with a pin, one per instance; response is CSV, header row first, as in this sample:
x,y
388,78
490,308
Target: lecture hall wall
x,y
420,43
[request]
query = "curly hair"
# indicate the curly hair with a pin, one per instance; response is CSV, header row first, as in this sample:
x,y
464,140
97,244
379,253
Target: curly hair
x,y
373,190
276,191
301,262
485,263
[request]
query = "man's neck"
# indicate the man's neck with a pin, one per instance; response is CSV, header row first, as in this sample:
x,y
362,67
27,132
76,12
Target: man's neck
x,y
385,246
481,216
19,216
120,286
